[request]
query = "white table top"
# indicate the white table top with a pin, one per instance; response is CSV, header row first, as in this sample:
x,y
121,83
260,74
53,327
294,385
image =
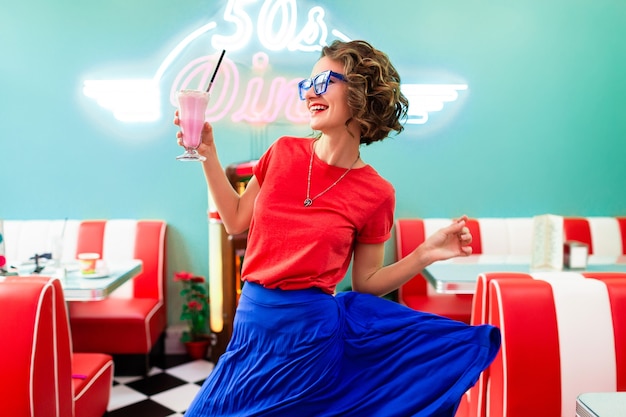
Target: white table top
x,y
601,404
459,276
78,287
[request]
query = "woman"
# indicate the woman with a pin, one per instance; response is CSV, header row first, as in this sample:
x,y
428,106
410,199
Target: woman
x,y
312,206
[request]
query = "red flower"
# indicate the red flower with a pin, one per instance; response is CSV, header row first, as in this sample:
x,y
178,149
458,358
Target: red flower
x,y
183,276
195,305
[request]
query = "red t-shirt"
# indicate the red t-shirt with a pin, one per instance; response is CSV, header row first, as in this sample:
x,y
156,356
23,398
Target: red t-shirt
x,y
294,247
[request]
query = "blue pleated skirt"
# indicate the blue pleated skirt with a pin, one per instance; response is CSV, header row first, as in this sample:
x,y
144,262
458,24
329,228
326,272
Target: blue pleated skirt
x,y
306,353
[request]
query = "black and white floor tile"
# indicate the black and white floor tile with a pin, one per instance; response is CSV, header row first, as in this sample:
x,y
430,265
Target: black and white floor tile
x,y
166,391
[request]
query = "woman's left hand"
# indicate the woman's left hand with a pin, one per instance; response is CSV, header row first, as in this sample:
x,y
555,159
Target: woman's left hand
x,y
450,242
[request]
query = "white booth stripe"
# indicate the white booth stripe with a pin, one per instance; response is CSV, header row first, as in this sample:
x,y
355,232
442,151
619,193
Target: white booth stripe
x,y
434,224
586,339
494,237
520,232
606,236
69,232
119,245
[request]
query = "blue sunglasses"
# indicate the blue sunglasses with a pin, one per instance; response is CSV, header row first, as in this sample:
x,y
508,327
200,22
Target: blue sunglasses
x,y
319,83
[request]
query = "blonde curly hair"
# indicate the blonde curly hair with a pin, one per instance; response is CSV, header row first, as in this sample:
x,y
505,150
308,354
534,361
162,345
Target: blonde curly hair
x,y
374,95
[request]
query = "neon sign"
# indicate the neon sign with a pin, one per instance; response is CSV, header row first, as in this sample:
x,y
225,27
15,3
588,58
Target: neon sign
x,y
264,98
428,98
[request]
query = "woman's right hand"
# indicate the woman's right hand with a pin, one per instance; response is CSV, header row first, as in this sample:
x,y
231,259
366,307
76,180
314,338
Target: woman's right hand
x,y
206,135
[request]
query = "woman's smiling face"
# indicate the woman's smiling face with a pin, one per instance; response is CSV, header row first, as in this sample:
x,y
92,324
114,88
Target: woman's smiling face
x,y
330,110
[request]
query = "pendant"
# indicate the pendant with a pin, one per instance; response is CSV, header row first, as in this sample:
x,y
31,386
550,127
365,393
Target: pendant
x,y
308,202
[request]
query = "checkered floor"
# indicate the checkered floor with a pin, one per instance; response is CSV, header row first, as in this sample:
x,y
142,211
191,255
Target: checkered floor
x,y
166,391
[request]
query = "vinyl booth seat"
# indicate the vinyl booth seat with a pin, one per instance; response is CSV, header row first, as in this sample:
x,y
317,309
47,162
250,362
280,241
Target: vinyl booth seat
x,y
42,375
563,334
129,324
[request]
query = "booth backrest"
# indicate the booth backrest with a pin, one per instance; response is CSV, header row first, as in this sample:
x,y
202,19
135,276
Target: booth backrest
x,y
507,237
25,238
605,236
511,238
115,239
563,334
35,349
491,236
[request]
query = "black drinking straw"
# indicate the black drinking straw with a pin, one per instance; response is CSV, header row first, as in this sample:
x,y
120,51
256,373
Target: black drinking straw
x,y
216,68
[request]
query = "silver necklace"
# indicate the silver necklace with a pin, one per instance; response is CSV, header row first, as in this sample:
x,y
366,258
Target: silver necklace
x,y
308,201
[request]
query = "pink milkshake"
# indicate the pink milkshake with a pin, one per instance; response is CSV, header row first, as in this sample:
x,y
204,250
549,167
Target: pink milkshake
x,y
192,106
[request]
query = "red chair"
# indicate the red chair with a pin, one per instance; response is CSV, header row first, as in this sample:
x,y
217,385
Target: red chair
x,y
561,336
410,233
42,376
132,323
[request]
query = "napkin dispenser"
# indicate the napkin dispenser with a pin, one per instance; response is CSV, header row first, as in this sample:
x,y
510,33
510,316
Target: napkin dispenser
x,y
575,254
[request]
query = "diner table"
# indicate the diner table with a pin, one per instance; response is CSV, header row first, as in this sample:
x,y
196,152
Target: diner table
x,y
601,404
458,275
109,276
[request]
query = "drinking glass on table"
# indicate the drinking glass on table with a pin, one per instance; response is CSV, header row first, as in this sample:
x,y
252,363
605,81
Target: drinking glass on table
x,y
192,106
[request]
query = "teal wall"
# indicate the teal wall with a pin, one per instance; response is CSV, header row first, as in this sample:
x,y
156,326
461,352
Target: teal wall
x,y
541,128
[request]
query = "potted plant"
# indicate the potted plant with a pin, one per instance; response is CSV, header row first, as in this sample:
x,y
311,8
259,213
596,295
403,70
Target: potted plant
x,y
195,312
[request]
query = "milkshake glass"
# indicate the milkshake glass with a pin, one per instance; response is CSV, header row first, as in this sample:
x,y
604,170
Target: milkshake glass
x,y
192,106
